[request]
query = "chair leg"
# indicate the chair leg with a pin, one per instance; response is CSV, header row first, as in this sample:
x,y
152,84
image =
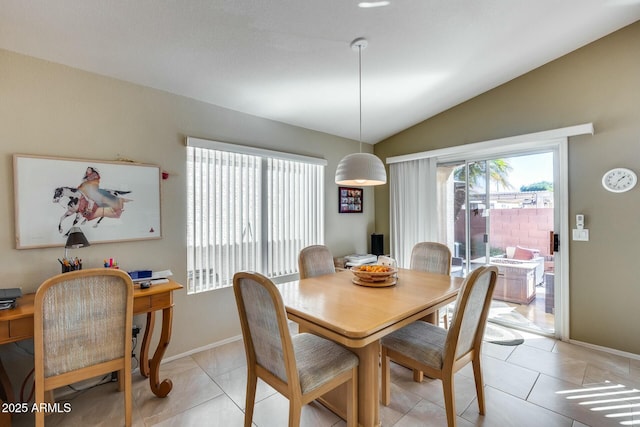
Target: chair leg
x,y
125,377
418,375
252,382
124,380
352,399
119,375
477,376
5,417
386,378
449,399
295,410
39,399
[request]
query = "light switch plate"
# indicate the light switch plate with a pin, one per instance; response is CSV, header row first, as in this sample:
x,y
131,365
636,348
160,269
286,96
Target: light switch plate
x,y
581,235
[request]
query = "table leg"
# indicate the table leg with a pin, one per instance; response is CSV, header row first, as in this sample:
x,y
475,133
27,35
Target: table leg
x,y
368,388
151,367
368,384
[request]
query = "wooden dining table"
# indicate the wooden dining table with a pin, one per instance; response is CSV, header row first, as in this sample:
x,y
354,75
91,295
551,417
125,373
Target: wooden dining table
x,y
356,316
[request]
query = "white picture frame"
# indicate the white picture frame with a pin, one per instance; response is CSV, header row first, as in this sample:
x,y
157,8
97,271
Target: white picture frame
x,y
109,201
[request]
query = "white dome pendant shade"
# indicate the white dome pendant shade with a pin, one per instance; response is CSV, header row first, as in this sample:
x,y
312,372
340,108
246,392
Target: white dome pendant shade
x,y
362,169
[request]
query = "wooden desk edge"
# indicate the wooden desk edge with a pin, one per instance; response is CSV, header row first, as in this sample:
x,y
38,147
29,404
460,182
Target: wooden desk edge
x,y
24,304
171,285
21,317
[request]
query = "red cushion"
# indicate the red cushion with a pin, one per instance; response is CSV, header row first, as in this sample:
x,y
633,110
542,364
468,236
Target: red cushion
x,y
523,253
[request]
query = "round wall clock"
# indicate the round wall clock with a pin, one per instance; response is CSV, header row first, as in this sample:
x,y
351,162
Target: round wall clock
x,y
619,180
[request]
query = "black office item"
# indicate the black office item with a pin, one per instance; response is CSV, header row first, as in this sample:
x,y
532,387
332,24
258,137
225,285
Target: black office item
x,y
8,298
10,294
377,244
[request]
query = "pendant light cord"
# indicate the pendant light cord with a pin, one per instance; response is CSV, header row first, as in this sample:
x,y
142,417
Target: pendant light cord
x,y
360,92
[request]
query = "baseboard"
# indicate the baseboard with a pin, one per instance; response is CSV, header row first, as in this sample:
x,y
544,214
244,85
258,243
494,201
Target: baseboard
x,y
203,348
605,349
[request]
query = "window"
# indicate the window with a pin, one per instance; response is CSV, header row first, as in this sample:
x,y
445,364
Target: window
x,y
249,209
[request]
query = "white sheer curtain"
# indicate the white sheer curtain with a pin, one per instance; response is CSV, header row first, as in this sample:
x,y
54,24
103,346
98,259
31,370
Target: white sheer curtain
x,y
413,215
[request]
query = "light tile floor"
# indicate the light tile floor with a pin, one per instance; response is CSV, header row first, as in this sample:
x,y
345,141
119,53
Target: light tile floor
x,y
542,382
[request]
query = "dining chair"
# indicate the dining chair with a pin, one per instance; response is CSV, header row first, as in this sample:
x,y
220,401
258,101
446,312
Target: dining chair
x,y
315,260
82,329
432,257
302,367
439,352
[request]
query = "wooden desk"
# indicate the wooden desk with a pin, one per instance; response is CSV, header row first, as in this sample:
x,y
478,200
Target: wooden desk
x,y
357,317
17,324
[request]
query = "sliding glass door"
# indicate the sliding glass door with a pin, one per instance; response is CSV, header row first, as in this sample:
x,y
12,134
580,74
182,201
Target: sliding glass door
x,y
464,198
499,211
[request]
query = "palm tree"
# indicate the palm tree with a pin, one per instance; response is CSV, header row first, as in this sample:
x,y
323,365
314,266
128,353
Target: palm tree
x,y
498,173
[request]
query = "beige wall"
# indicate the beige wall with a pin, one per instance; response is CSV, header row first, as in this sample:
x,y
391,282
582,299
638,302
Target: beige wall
x,y
51,110
599,83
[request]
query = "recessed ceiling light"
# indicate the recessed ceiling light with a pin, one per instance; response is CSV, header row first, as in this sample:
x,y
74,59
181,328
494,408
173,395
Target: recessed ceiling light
x,y
370,4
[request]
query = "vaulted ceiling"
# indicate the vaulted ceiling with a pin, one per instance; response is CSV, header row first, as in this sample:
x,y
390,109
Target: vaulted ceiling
x,y
291,60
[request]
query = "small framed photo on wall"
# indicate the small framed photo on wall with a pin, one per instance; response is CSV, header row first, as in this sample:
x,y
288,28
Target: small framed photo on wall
x,y
349,200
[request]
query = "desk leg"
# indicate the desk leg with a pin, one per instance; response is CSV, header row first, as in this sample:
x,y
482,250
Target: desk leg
x,y
146,341
151,368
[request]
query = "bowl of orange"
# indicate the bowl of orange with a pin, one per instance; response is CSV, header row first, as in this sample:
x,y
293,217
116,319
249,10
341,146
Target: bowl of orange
x,y
374,272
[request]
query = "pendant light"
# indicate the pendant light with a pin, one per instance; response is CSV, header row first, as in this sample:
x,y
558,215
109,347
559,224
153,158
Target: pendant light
x,y
362,169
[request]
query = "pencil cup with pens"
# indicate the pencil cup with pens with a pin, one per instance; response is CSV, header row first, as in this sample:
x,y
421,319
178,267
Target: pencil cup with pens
x,y
110,263
70,264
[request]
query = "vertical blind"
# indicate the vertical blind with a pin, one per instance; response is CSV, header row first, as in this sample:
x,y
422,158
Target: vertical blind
x,y
249,212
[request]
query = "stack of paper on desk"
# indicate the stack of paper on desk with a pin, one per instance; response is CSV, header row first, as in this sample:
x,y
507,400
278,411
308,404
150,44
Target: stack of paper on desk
x,y
360,259
160,276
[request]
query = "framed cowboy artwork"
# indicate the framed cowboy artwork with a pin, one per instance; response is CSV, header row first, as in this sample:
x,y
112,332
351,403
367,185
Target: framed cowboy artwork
x,y
109,201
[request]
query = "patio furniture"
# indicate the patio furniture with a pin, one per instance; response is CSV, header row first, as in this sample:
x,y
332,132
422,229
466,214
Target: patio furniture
x,y
516,281
536,258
